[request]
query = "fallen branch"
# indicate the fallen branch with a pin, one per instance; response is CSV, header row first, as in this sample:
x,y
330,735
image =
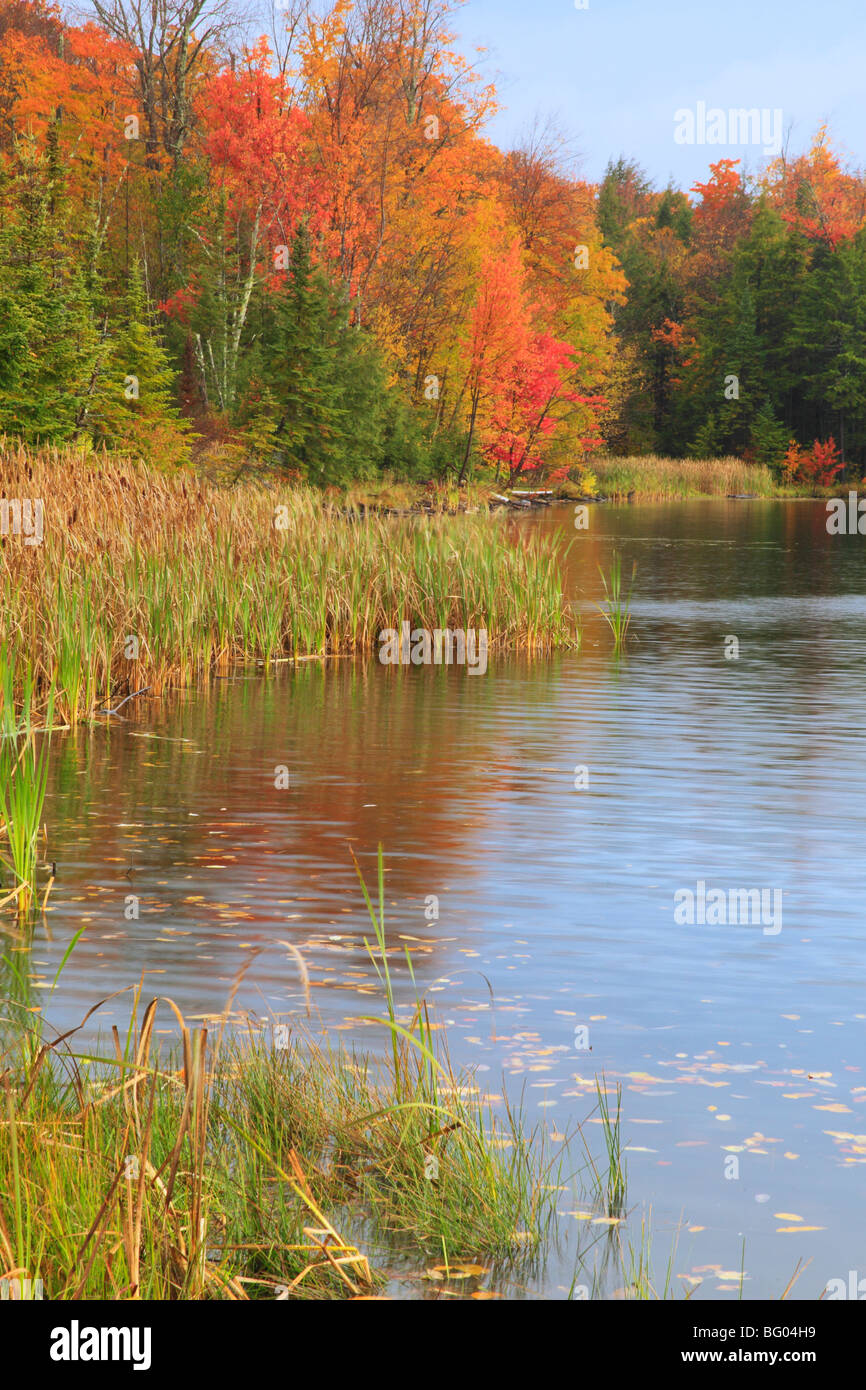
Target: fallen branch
x,y
143,691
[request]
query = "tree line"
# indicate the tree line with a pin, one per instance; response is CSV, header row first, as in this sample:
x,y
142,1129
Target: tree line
x,y
303,254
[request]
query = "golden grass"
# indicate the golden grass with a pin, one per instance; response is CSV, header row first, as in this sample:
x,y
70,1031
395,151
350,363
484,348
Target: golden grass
x,y
150,580
246,1165
653,478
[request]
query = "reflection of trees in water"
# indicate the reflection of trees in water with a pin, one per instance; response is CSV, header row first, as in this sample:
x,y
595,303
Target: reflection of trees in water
x,y
431,749
409,758
419,759
705,550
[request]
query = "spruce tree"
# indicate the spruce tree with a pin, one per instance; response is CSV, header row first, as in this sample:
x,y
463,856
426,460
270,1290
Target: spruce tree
x,y
49,341
134,409
322,378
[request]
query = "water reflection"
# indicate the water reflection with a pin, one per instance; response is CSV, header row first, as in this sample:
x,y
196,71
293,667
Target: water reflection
x,y
531,908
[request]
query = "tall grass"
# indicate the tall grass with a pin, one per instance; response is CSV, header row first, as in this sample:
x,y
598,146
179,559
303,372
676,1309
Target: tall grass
x,y
238,1169
23,783
146,580
460,1176
615,609
654,479
23,779
616,1180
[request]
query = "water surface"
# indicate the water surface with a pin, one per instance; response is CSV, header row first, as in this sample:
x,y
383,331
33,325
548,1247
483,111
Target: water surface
x,y
535,909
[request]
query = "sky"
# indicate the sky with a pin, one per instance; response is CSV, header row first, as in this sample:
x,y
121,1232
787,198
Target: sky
x,y
615,74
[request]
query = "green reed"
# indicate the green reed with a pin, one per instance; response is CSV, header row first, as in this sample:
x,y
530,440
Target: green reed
x,y
615,609
204,579
23,783
226,1171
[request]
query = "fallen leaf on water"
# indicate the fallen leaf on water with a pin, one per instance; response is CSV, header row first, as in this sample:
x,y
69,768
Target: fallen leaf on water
x,y
456,1271
792,1230
786,1216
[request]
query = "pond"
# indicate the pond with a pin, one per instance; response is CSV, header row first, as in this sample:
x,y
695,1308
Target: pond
x,y
540,825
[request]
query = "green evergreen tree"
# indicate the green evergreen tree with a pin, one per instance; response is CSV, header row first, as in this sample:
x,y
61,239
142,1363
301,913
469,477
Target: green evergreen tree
x,y
323,379
829,337
746,331
133,409
49,341
768,437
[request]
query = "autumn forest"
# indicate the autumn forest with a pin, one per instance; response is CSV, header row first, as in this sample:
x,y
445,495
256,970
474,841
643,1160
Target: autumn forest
x,y
301,254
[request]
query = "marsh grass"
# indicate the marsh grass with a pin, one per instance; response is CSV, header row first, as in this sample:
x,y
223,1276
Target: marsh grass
x,y
439,496
464,1175
636,1262
23,784
615,609
654,479
150,580
23,780
615,1171
237,1169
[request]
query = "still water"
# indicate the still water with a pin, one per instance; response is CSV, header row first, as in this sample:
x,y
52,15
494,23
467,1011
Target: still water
x,y
541,914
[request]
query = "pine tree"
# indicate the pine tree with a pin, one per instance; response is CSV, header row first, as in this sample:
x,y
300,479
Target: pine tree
x,y
830,337
768,437
323,377
134,408
49,342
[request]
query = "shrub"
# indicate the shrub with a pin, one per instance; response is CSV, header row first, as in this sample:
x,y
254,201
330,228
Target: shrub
x,y
818,465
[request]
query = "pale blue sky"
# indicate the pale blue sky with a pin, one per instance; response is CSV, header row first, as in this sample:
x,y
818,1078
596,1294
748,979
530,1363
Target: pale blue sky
x,y
615,74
